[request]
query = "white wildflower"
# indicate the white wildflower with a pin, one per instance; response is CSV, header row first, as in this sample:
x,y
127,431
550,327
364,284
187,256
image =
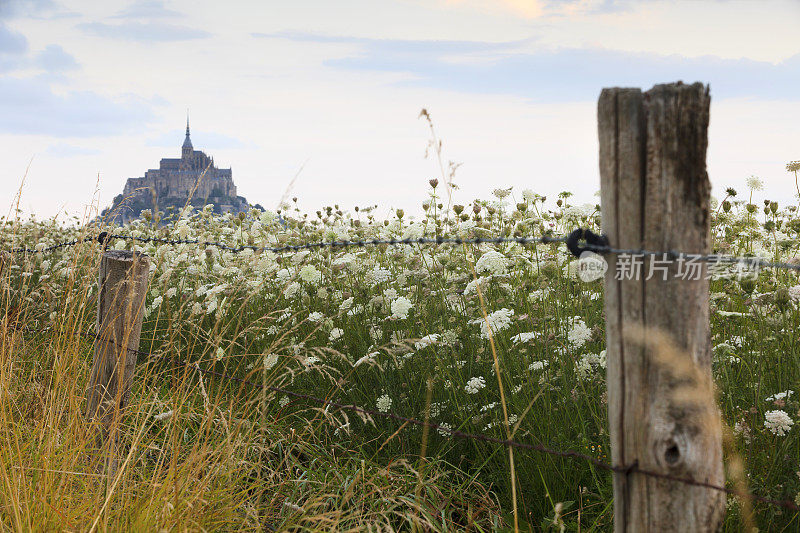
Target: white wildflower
x,y
390,294
754,183
497,321
794,293
449,337
538,365
524,337
316,316
742,430
336,333
780,396
778,422
270,360
284,401
413,231
310,274
474,385
292,290
378,275
400,307
472,286
492,262
283,275
384,403
579,333
426,341
347,304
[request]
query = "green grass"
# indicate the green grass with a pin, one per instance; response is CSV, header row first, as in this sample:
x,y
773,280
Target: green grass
x,y
231,458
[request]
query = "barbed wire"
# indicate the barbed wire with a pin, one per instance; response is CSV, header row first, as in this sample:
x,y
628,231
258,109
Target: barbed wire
x,y
104,238
442,429
598,246
65,244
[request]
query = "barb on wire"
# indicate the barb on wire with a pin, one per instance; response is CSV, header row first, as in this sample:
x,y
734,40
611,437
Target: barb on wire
x,y
567,454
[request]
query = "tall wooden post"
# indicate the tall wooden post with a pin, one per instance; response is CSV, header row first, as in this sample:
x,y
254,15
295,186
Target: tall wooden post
x,y
662,417
120,304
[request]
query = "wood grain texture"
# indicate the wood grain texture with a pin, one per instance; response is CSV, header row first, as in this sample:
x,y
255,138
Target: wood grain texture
x,y
123,282
655,195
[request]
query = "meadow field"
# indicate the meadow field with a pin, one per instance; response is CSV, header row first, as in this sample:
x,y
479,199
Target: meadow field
x,y
401,329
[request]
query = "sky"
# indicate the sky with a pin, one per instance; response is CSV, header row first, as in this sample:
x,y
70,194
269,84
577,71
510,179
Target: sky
x,y
326,95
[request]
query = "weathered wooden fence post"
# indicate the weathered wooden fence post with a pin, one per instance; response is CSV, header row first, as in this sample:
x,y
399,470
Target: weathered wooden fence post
x,y
120,304
662,417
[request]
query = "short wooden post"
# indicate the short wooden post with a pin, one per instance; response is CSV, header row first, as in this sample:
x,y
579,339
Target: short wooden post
x,y
662,416
120,304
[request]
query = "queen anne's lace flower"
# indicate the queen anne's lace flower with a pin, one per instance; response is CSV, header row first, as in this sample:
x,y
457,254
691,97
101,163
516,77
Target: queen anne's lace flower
x,y
336,334
794,293
780,395
292,290
426,341
754,183
497,321
310,274
538,365
413,231
379,275
401,307
492,262
384,403
270,360
579,333
778,422
524,337
474,385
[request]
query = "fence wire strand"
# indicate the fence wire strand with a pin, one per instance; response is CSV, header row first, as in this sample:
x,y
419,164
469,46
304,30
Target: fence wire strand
x,y
750,262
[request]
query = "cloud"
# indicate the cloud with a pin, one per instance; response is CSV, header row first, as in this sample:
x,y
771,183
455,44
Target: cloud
x,y
15,55
147,9
29,106
202,140
12,42
554,8
559,75
13,48
37,9
61,150
141,32
54,59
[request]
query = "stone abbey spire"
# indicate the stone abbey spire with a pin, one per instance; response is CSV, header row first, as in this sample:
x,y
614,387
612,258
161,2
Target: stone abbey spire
x,y
193,177
187,149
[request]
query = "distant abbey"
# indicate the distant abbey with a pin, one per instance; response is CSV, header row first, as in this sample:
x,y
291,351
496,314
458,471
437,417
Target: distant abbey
x,y
168,187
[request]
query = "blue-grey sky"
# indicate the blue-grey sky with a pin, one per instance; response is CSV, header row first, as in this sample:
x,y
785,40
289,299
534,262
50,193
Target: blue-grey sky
x,y
93,93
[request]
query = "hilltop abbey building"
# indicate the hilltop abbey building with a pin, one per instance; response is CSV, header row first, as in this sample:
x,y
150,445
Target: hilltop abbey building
x,y
193,178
